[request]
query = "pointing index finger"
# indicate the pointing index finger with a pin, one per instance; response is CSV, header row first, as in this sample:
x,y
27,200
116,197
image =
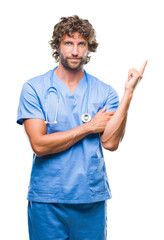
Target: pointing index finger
x,y
143,68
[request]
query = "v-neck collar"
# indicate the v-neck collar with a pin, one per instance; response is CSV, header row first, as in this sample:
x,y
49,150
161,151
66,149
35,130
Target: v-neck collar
x,y
80,88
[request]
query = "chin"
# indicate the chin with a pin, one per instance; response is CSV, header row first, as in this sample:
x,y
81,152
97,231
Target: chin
x,y
74,68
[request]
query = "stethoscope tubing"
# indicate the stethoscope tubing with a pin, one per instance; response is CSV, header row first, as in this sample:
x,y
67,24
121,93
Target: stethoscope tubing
x,y
54,89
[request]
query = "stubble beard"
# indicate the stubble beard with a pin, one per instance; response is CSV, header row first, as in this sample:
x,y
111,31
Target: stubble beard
x,y
66,64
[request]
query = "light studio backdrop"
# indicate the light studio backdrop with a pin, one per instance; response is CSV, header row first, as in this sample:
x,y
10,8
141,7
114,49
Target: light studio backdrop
x,y
129,32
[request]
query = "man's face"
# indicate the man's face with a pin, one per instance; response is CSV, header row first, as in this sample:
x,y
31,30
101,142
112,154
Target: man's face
x,y
73,52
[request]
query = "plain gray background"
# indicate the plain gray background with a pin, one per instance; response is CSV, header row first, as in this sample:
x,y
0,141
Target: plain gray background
x,y
129,32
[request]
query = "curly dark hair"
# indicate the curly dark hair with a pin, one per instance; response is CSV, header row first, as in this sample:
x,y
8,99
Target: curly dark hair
x,y
68,26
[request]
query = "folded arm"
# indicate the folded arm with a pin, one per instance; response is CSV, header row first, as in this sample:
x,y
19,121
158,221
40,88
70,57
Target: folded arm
x,y
43,143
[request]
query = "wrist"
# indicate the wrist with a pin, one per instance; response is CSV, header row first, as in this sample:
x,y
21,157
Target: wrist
x,y
129,93
88,127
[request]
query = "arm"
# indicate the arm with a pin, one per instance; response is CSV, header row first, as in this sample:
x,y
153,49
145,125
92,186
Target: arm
x,y
115,128
43,144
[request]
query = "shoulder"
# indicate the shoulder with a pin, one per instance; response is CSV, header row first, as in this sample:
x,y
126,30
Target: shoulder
x,y
36,85
38,81
98,84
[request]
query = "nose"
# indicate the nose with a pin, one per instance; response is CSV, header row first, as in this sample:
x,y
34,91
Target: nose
x,y
75,51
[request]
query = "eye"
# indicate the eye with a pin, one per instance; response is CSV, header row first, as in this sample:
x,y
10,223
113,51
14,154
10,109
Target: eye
x,y
68,43
82,44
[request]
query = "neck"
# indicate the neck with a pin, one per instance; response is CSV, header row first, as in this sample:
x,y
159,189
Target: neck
x,y
69,77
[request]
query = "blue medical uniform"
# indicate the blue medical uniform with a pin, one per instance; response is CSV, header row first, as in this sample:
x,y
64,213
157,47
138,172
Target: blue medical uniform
x,y
62,221
78,174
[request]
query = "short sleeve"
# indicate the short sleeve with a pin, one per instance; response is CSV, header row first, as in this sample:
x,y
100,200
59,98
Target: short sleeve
x,y
29,104
112,101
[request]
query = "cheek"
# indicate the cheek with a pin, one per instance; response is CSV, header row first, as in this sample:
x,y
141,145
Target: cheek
x,y
86,53
64,52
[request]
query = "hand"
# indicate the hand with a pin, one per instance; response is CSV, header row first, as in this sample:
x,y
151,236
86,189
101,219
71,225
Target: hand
x,y
134,77
100,120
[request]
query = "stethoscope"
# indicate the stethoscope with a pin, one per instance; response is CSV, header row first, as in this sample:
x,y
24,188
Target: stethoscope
x,y
86,117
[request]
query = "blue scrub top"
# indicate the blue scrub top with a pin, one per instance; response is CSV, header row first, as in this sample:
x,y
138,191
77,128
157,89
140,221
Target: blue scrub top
x,y
78,174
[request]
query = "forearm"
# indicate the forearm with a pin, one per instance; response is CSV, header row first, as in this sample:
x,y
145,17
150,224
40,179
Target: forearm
x,y
115,128
44,144
60,141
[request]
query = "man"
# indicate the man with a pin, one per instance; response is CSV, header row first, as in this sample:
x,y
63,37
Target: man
x,y
69,116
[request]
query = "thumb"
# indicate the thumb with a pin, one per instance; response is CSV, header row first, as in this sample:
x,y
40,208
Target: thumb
x,y
103,109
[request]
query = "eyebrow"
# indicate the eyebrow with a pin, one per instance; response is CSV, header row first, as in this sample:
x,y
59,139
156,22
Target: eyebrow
x,y
83,41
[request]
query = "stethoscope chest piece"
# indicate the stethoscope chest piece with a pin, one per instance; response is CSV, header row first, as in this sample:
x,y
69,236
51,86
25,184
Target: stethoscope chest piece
x,y
86,117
